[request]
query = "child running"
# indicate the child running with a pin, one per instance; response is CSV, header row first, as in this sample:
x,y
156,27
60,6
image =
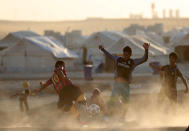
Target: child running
x,y
169,75
68,92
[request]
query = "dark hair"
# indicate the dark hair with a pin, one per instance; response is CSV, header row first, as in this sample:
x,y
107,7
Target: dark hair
x,y
58,63
173,54
127,49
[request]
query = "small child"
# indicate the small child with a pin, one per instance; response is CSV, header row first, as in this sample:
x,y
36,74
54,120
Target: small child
x,y
97,99
23,97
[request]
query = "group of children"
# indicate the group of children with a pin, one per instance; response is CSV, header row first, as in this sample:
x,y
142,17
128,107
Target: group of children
x,y
69,93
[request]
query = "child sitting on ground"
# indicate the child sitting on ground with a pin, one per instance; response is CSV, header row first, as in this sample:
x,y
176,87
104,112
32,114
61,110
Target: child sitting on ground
x,y
97,99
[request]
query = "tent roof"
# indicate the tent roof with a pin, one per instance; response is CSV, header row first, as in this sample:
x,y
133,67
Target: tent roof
x,y
152,37
23,34
48,45
126,41
112,34
14,37
107,39
136,43
51,46
155,48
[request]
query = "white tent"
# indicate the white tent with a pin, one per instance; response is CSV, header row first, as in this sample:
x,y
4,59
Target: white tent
x,y
177,37
136,43
152,37
126,41
183,41
49,45
155,48
34,54
106,38
14,37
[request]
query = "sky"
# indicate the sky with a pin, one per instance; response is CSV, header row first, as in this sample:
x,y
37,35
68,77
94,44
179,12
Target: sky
x,y
55,10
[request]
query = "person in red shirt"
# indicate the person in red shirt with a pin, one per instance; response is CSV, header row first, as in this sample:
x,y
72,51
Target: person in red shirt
x,y
68,92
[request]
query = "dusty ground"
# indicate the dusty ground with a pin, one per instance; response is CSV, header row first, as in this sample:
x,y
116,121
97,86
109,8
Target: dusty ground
x,y
143,114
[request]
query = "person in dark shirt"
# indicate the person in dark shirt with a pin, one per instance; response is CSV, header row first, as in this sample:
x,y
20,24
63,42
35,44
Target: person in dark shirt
x,y
123,73
68,92
169,75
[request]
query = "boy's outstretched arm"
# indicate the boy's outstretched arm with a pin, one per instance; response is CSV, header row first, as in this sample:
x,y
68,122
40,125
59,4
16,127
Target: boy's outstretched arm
x,y
114,58
145,57
159,68
43,86
15,95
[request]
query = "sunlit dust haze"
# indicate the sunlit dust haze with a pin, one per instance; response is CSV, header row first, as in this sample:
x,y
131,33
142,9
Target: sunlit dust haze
x,y
143,113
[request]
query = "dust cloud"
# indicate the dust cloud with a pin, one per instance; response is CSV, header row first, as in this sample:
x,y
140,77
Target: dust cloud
x,y
144,113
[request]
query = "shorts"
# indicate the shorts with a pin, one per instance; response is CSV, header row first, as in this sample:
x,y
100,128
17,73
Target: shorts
x,y
121,89
68,95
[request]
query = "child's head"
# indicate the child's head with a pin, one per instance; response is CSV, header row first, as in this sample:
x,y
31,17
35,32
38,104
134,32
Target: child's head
x,y
41,83
127,52
60,65
173,58
25,84
96,92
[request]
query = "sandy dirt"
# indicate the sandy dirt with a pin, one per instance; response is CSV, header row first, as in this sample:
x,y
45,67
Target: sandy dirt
x,y
143,113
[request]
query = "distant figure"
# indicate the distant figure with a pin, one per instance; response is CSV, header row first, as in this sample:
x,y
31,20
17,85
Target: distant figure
x,y
23,97
123,72
97,99
68,92
169,75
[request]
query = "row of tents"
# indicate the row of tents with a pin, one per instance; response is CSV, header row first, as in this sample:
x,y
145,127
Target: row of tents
x,y
27,51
